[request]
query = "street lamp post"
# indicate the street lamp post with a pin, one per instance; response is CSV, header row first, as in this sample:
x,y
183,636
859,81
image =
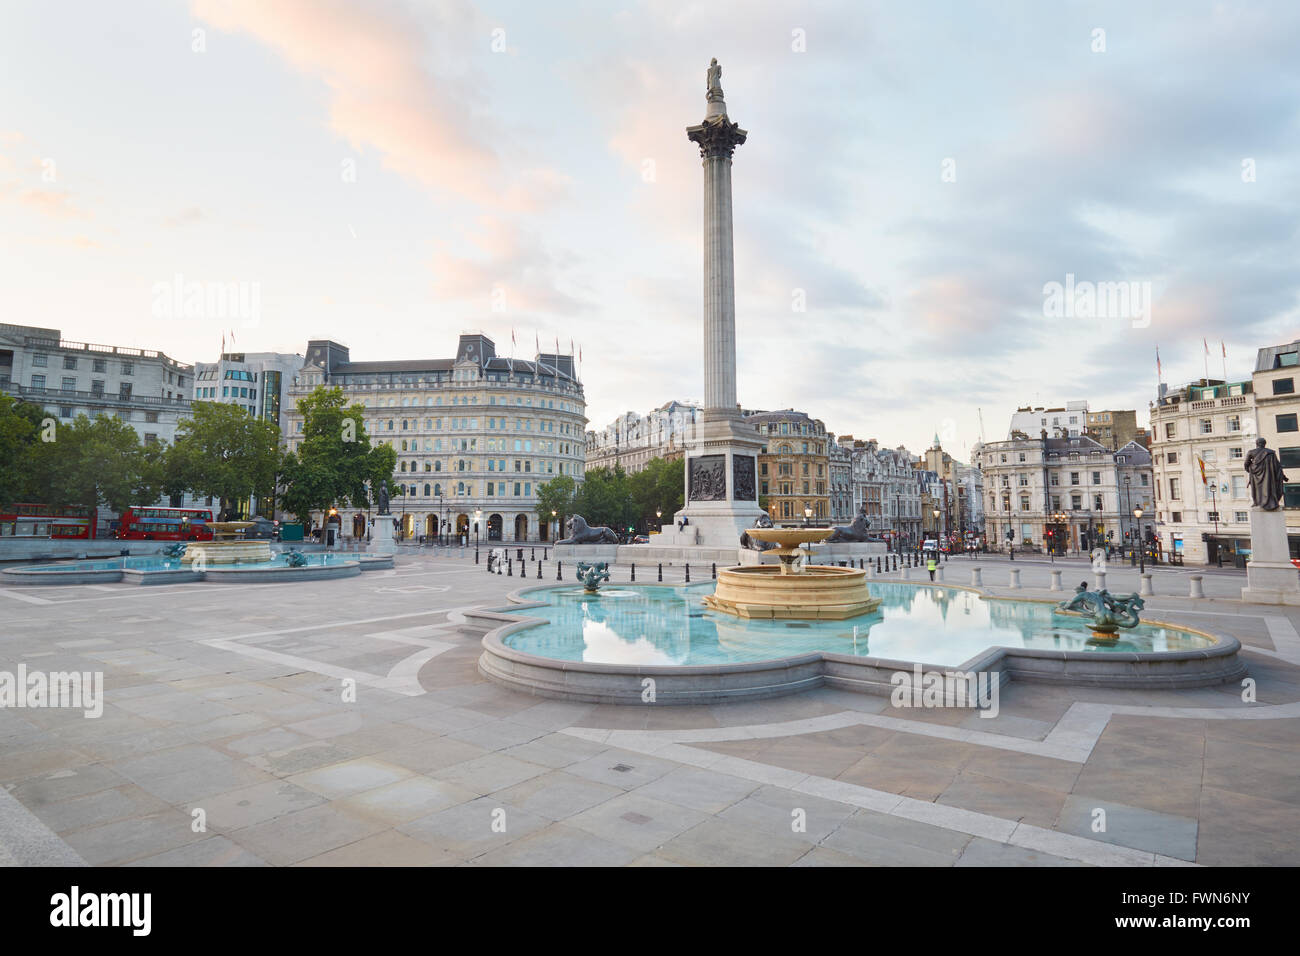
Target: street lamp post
x,y
1128,502
1142,552
478,514
807,514
556,533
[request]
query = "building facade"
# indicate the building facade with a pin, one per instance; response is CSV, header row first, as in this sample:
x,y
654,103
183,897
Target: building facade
x,y
475,435
1207,424
794,466
144,388
1113,428
1064,421
840,465
1066,494
1277,421
631,441
257,382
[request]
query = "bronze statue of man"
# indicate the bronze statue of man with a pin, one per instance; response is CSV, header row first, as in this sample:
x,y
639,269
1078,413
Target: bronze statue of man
x,y
382,497
1266,477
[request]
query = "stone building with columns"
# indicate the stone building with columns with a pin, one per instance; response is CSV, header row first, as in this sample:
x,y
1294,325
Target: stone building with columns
x,y
631,441
475,435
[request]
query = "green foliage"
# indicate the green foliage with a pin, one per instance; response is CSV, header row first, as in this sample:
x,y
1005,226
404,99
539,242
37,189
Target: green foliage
x,y
20,428
556,495
660,486
94,462
223,451
335,462
605,499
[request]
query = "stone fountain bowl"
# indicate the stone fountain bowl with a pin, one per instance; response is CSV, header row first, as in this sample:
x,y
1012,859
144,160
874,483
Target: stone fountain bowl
x,y
789,539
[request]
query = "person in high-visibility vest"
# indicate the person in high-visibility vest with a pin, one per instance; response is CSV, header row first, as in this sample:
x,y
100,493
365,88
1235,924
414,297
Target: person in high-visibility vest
x,y
931,564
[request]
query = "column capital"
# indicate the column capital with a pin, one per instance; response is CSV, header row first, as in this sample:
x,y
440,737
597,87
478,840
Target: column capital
x,y
716,137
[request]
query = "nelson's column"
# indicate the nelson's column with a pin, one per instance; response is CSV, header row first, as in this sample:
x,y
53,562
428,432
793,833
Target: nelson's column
x,y
721,460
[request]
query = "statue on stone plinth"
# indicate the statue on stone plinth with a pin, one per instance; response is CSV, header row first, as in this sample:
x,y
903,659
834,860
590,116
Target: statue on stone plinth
x,y
1266,477
382,498
582,533
714,84
853,532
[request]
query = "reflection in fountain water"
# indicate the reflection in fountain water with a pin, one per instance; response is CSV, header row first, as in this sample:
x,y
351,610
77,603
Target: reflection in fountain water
x,y
660,625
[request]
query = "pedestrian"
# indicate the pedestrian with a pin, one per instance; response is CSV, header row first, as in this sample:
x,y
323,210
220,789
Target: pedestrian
x,y
1013,552
931,564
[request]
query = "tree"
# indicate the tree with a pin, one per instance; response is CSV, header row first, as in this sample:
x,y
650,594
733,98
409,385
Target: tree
x,y
659,487
604,499
90,463
223,451
335,461
556,495
21,426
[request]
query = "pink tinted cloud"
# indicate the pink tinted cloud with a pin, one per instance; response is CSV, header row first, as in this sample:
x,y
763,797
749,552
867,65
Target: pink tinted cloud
x,y
372,58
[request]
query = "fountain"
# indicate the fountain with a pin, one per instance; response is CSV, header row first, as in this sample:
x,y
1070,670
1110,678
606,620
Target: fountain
x,y
791,590
227,546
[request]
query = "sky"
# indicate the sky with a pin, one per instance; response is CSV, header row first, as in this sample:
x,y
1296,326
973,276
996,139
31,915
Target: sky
x,y
390,173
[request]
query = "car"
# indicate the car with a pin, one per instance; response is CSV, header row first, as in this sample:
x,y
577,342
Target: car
x,y
640,539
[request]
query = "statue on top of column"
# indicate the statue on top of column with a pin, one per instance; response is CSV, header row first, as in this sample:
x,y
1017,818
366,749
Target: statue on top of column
x,y
714,85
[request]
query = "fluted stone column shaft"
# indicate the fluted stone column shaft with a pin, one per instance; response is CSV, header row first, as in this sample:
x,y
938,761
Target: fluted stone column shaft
x,y
719,288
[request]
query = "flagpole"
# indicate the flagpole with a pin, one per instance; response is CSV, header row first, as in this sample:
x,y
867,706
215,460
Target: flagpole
x,y
1224,349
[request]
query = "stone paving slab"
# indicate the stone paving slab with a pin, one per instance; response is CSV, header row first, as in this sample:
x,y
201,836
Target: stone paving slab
x,y
464,772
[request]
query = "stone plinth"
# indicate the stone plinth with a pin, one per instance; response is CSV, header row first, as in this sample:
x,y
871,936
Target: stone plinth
x,y
1271,578
381,536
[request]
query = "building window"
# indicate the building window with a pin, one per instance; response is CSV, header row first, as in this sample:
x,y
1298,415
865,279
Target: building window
x,y
1177,517
1283,386
1096,503
40,360
1096,477
1074,477
65,411
1207,426
38,381
70,361
1291,496
1287,423
1172,458
1024,502
69,383
1238,486
1171,429
1174,494
1076,502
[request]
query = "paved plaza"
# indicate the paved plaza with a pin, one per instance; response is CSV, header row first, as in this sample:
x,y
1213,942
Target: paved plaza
x,y
232,700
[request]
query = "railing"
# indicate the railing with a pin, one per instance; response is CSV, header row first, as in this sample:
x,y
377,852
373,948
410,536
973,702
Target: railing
x,y
109,398
106,349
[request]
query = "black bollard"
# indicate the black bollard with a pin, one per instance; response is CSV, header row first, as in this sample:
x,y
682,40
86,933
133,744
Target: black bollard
x,y
510,568
688,573
532,554
476,555
539,570
877,565
521,554
634,572
544,557
559,566
661,570
715,572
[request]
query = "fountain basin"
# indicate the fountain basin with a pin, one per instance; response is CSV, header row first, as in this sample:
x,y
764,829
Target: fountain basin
x,y
815,594
554,641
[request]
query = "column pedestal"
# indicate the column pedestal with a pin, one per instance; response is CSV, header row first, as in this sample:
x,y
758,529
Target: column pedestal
x,y
1271,578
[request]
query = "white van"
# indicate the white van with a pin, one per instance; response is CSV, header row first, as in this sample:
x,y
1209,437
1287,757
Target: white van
x,y
930,544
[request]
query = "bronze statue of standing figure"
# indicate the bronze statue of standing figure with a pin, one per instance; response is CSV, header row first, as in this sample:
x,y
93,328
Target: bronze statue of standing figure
x,y
1266,477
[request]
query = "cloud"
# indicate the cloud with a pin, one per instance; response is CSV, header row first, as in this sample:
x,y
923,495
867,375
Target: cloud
x,y
389,93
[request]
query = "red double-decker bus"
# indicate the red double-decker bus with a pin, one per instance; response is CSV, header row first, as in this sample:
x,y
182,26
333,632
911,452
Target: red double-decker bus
x,y
42,521
165,524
